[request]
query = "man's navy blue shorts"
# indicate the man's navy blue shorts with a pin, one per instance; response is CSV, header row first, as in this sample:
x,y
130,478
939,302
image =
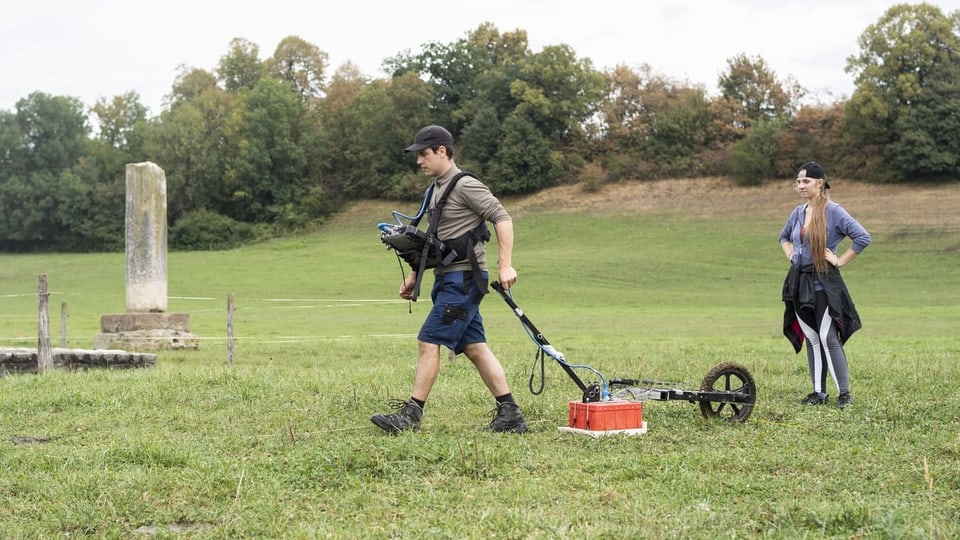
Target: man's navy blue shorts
x,y
454,321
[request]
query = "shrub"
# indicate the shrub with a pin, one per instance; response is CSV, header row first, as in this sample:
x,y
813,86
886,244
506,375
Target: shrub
x,y
592,178
752,158
205,230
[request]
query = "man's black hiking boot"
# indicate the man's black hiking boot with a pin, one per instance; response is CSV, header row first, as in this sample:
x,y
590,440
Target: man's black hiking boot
x,y
508,418
407,418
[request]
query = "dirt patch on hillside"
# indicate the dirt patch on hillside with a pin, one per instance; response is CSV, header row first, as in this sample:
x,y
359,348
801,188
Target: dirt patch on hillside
x,y
886,207
923,206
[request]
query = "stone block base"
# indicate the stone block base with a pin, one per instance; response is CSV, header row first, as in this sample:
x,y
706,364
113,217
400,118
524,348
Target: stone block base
x,y
129,322
22,360
146,332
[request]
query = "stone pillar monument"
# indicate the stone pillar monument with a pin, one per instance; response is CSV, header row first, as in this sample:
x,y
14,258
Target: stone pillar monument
x,y
146,325
146,238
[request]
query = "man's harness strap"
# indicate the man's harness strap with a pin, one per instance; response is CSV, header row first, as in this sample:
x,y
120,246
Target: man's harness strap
x,y
440,254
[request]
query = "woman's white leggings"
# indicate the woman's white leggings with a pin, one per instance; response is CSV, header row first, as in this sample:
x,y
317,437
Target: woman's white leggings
x,y
824,350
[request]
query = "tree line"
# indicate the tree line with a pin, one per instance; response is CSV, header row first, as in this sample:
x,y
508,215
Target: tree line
x,y
259,147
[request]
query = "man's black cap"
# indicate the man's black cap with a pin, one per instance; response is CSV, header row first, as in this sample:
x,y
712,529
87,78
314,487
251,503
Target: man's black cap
x,y
429,137
812,169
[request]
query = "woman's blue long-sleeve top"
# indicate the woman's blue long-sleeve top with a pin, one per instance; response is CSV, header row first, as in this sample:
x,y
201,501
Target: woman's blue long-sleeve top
x,y
802,281
840,224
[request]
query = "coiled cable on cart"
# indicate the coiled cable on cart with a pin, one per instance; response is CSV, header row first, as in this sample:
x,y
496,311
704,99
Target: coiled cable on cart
x,y
544,350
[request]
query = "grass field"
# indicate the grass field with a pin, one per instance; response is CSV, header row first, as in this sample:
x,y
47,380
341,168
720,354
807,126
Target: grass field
x,y
281,445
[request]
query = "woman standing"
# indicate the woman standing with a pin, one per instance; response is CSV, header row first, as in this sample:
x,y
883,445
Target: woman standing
x,y
817,306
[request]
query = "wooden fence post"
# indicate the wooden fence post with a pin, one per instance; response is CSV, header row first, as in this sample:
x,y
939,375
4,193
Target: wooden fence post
x,y
44,350
230,309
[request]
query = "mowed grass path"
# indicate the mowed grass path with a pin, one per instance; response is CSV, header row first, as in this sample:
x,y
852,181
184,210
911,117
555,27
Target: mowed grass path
x,y
281,445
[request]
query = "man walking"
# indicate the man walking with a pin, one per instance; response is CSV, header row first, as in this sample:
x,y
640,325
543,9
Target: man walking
x,y
454,320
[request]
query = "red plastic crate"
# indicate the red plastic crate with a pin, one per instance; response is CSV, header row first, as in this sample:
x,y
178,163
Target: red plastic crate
x,y
606,415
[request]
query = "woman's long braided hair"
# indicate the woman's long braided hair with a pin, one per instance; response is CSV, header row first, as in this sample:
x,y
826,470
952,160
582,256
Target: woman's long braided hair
x,y
818,229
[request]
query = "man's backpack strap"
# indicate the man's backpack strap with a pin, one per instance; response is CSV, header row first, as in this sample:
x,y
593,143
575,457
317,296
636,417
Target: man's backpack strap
x,y
433,223
462,247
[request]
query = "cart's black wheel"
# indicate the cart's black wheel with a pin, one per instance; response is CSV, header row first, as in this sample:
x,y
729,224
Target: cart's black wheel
x,y
729,377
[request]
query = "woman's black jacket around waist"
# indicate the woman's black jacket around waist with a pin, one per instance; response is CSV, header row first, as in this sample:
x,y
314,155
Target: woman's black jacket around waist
x,y
799,293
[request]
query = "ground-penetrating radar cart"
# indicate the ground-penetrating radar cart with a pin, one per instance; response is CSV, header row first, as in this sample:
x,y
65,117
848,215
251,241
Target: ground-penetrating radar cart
x,y
727,391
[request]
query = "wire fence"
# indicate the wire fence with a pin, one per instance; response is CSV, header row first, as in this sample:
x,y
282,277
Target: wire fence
x,y
268,318
20,326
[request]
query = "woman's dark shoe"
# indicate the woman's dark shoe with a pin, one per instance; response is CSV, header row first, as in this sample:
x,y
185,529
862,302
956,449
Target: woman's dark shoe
x,y
844,399
815,399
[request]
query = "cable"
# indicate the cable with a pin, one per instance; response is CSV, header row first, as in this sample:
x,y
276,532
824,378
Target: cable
x,y
549,350
385,227
403,277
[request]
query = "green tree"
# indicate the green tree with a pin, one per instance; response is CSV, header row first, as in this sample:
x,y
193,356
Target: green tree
x,y
470,84
454,70
382,120
27,207
905,73
488,83
241,67
558,92
814,134
653,126
41,143
121,120
371,147
94,195
249,150
483,116
188,141
753,157
12,149
300,64
677,133
525,163
481,138
332,166
265,166
756,91
928,153
91,204
54,131
190,84
624,115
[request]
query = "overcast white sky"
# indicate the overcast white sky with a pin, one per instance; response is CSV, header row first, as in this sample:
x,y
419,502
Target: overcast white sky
x,y
102,48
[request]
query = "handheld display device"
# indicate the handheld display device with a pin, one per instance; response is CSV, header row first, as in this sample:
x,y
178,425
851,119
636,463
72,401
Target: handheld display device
x,y
411,244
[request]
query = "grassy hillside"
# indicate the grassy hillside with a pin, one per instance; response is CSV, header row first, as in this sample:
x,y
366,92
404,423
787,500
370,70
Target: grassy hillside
x,y
655,280
676,258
